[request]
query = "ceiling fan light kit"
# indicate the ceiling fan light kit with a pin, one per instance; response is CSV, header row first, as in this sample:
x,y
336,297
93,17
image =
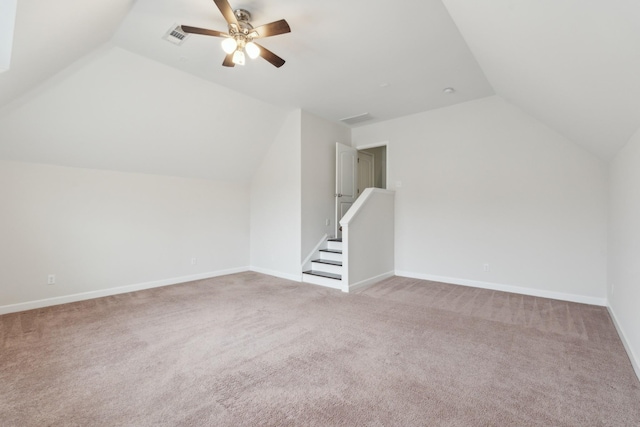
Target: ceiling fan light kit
x,y
238,57
229,45
239,39
252,50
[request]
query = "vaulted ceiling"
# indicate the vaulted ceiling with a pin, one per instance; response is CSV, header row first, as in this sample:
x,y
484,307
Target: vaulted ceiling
x,y
49,36
572,64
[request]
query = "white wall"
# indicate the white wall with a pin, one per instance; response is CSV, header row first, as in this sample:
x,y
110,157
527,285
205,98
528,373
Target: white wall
x,y
275,205
624,246
99,230
368,239
484,183
319,139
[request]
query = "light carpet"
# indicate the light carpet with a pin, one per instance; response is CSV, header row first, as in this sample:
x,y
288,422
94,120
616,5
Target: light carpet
x,y
249,349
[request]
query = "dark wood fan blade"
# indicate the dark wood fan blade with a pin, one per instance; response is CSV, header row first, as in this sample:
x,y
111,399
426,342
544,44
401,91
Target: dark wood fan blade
x,y
203,31
273,29
228,61
270,56
227,11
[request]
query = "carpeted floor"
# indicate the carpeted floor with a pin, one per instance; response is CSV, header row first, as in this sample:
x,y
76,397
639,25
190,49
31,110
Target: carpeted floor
x,y
249,349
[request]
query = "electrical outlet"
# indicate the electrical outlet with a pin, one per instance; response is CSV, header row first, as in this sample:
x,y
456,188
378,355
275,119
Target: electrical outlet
x,y
51,279
485,267
194,261
327,222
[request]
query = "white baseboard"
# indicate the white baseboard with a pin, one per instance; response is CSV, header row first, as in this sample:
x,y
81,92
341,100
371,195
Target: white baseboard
x,y
507,288
30,305
294,277
371,281
635,361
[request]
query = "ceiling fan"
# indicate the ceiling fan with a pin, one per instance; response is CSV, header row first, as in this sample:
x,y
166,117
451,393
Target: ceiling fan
x,y
241,34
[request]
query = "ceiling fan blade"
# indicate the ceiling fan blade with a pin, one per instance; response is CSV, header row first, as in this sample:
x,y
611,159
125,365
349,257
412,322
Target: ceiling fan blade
x,y
273,28
228,61
271,57
227,11
203,31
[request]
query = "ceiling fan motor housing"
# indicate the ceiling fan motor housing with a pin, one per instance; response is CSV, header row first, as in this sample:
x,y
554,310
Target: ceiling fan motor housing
x,y
242,15
241,33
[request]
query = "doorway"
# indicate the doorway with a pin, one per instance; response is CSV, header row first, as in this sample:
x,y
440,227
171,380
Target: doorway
x,y
375,160
356,170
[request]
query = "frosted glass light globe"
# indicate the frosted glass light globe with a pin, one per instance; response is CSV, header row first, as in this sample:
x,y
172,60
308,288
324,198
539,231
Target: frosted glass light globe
x,y
229,45
252,50
238,57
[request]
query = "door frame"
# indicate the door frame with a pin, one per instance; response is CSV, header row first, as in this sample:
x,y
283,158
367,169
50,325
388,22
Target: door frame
x,y
341,199
387,174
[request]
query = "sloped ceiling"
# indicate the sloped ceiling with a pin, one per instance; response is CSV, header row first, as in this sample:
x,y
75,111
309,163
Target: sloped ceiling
x,y
50,35
573,64
121,111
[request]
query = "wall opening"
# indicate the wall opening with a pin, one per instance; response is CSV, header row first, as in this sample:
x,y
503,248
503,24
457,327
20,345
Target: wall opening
x,y
378,154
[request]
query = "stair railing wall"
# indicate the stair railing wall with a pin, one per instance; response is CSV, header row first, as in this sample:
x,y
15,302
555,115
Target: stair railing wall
x,y
368,239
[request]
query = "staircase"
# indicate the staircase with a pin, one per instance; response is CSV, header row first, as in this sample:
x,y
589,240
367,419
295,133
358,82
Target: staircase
x,y
326,270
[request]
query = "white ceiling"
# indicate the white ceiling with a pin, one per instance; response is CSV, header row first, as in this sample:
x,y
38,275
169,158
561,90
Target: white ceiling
x,y
50,35
338,54
572,64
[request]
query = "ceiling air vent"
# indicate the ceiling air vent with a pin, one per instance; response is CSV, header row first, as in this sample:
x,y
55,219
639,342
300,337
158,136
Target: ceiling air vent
x,y
175,35
357,119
